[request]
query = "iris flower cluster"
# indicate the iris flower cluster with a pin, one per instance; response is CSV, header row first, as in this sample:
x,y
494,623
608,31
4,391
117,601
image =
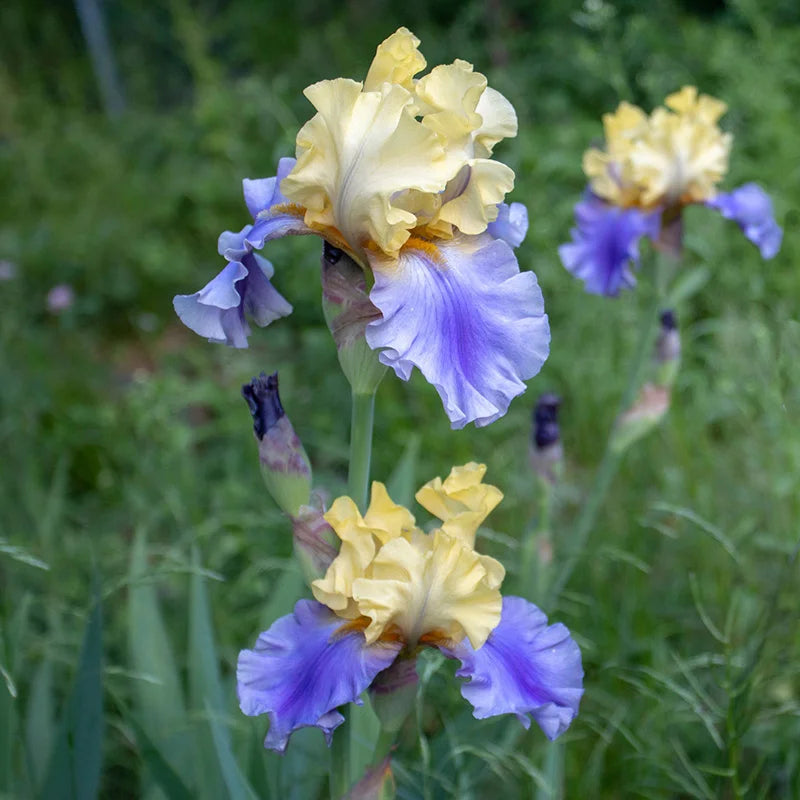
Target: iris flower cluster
x,y
394,589
397,172
649,169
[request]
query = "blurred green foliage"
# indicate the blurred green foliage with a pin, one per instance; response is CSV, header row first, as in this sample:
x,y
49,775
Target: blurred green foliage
x,y
127,451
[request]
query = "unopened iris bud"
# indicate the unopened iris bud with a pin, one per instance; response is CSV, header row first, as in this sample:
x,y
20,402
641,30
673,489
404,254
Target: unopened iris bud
x,y
668,349
546,450
348,310
284,463
653,400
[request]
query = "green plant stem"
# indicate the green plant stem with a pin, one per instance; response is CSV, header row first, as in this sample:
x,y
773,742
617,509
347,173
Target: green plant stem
x,y
363,413
611,458
360,448
553,772
537,533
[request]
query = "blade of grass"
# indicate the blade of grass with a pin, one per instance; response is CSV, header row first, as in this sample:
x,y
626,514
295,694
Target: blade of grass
x,y
74,770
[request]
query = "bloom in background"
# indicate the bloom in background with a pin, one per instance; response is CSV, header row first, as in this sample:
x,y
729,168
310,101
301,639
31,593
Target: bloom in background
x,y
394,589
398,173
60,298
648,170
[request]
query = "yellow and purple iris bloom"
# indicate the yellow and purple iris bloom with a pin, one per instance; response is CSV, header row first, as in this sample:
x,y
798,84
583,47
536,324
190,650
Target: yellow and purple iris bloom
x,y
397,171
648,170
394,589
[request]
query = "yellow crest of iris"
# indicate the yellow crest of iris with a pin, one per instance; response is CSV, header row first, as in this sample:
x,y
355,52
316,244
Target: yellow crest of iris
x,y
395,156
405,583
675,156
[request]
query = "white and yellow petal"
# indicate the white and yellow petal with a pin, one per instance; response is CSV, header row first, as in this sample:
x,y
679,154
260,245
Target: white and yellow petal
x,y
355,154
397,60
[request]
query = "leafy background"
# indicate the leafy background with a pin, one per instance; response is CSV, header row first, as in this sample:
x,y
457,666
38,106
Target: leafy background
x,y
138,549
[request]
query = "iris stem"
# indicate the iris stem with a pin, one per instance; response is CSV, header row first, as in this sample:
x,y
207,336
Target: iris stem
x,y
553,773
360,448
612,457
537,535
363,414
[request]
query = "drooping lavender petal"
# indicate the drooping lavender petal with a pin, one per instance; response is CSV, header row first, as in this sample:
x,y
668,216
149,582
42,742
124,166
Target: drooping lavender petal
x,y
511,224
303,668
526,667
750,207
463,313
604,244
218,310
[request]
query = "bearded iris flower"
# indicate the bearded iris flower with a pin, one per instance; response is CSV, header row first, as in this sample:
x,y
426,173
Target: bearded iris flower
x,y
649,169
398,173
394,589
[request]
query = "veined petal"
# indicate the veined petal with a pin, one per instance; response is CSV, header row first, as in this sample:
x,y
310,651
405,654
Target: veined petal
x,y
750,207
511,224
432,587
463,313
526,667
218,310
355,154
462,501
604,244
305,666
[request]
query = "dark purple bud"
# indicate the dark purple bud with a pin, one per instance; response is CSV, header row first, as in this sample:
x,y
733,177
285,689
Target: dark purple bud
x,y
264,402
668,349
284,464
668,320
545,420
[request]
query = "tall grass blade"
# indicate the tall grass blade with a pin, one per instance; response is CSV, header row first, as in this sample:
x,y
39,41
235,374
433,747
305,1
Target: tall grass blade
x,y
74,770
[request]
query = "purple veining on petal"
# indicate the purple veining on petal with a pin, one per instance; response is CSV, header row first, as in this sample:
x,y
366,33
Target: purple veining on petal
x,y
303,668
464,314
526,667
511,224
604,244
750,207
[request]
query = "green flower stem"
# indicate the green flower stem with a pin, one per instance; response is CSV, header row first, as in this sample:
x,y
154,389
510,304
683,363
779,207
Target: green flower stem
x,y
360,448
553,773
538,532
660,264
363,413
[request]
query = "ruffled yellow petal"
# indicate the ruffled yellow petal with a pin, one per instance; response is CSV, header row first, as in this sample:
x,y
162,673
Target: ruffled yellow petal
x,y
397,60
355,154
475,206
462,501
704,107
677,155
499,121
361,537
432,588
385,518
681,159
